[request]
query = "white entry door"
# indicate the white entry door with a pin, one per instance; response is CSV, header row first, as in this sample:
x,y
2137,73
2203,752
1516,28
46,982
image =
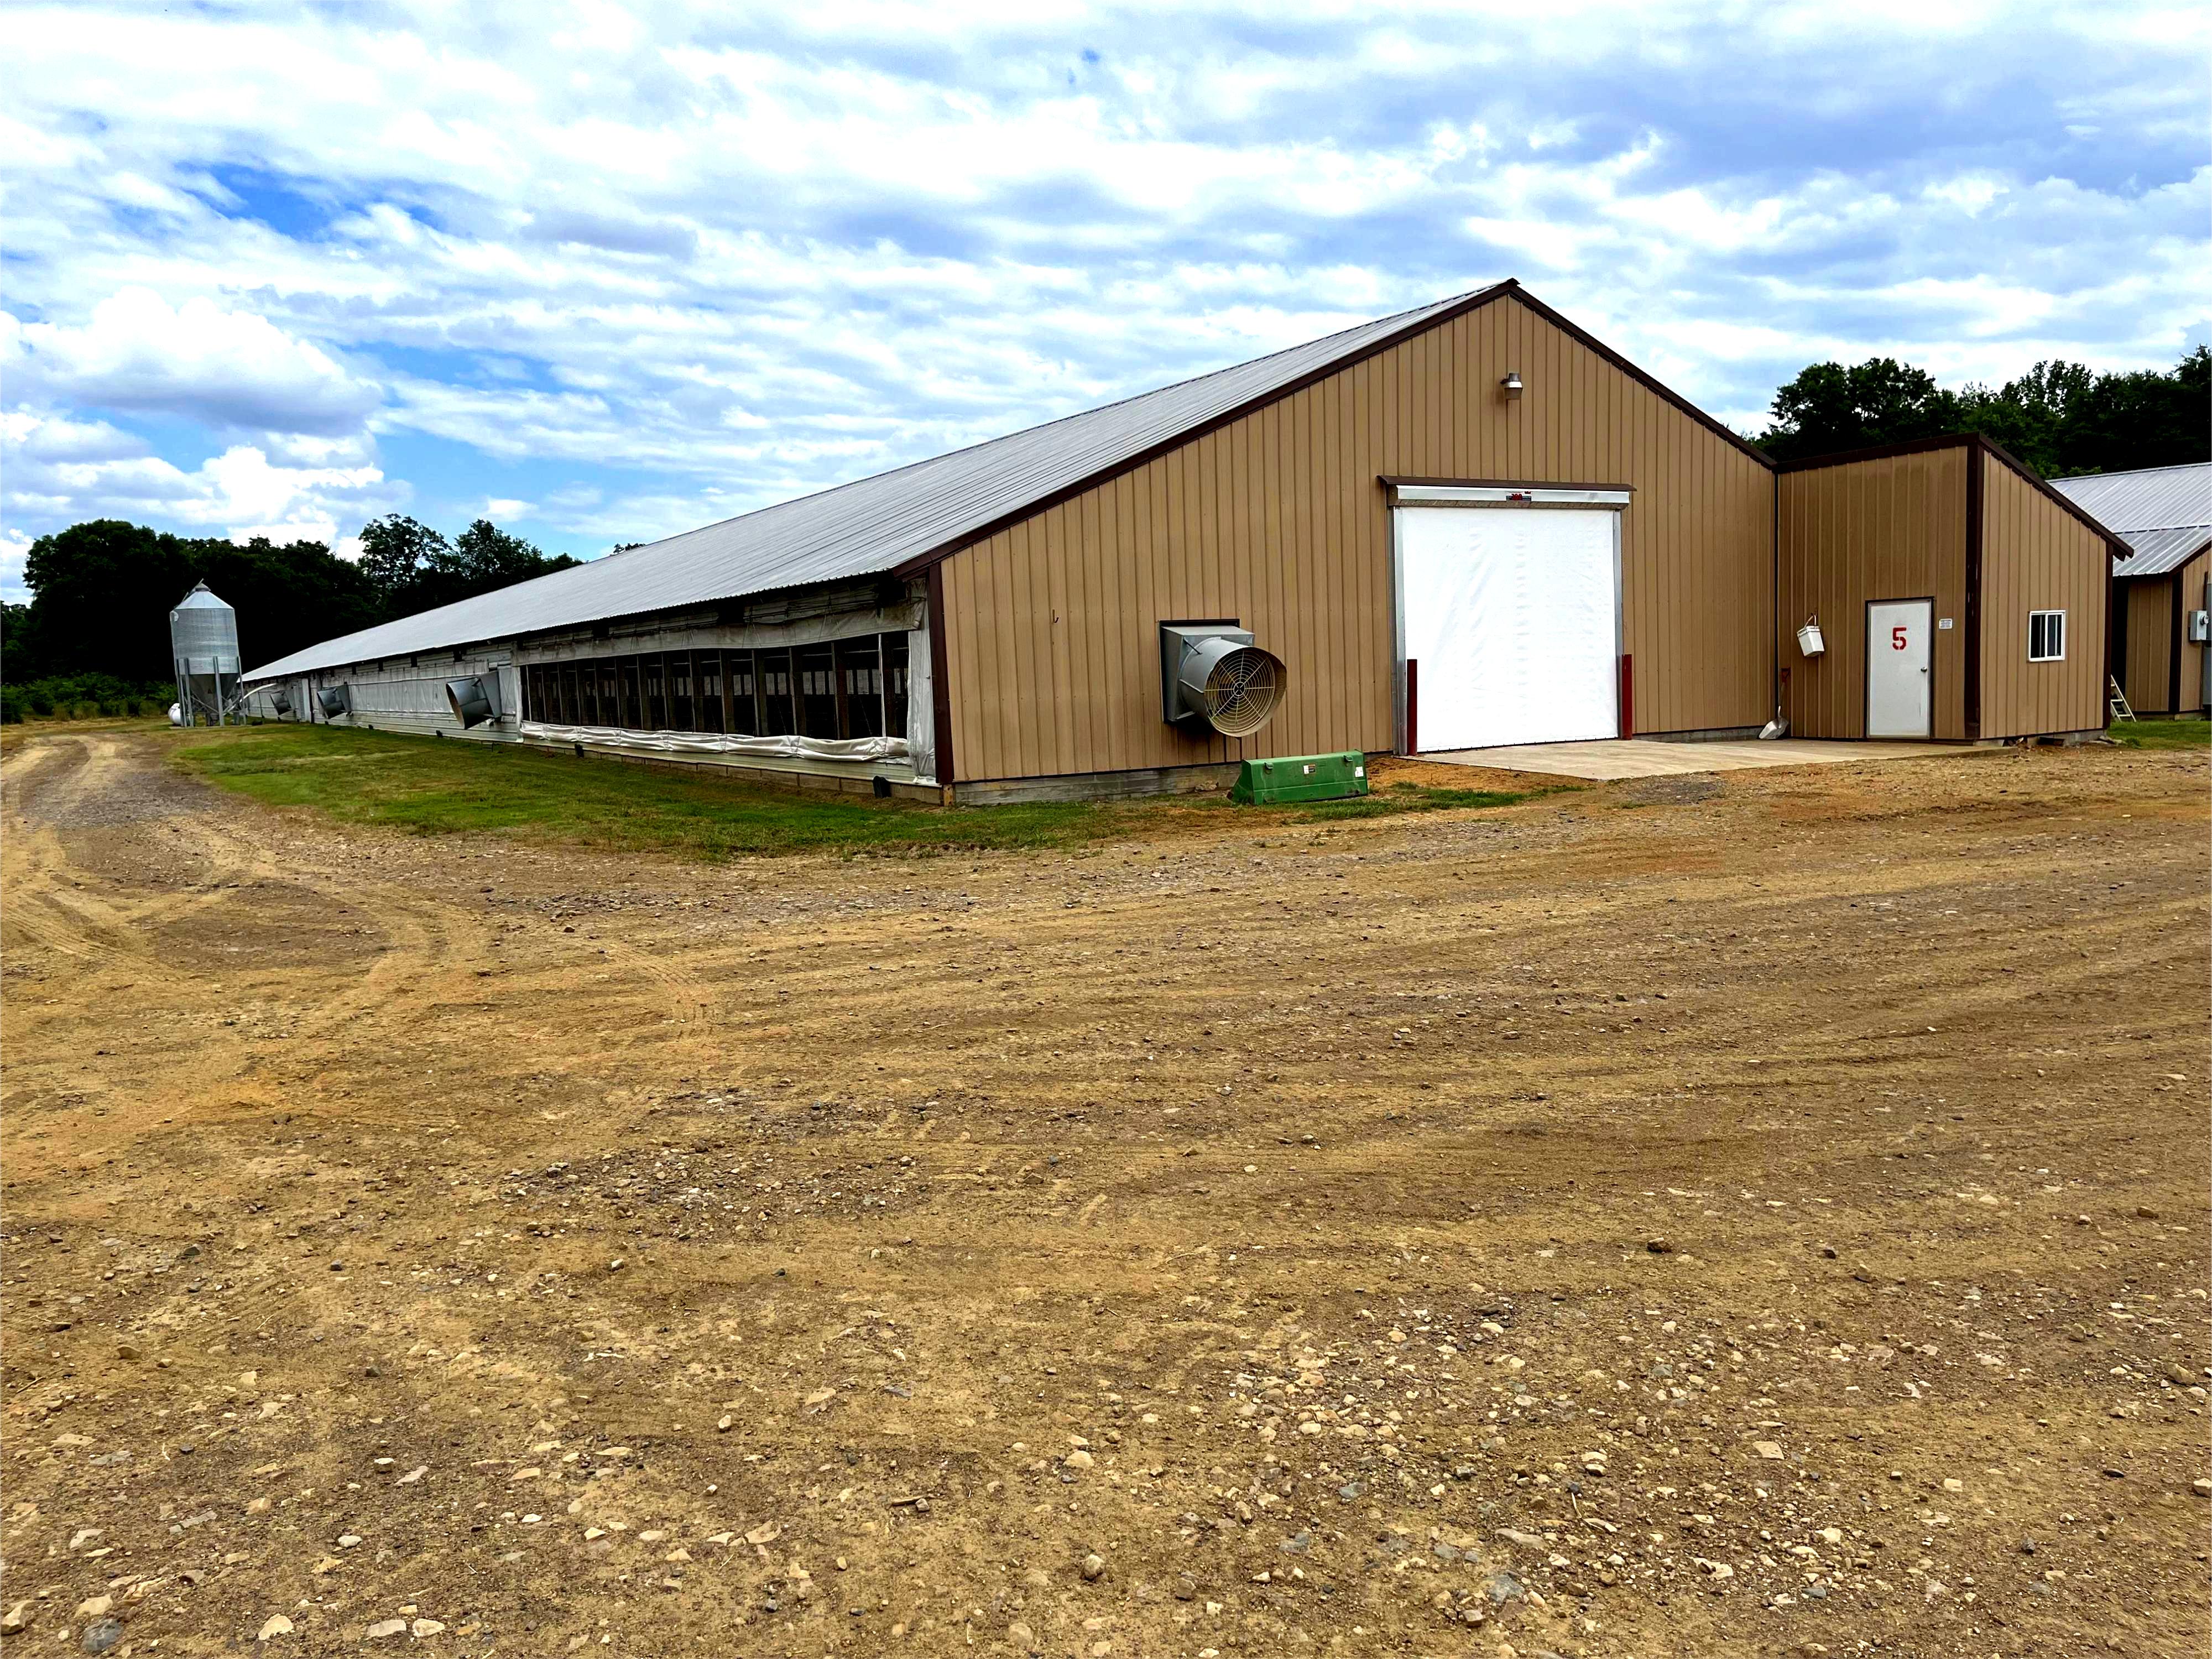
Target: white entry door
x,y
1511,614
1900,654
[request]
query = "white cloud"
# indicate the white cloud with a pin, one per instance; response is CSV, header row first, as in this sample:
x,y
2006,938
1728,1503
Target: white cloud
x,y
15,548
650,265
59,469
137,352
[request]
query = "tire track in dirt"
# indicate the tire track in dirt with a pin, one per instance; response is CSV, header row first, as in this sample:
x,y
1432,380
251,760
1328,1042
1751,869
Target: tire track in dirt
x,y
227,848
910,1229
423,938
680,991
91,779
40,781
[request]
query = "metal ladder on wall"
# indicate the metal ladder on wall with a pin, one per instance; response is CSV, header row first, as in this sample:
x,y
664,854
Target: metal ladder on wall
x,y
2116,701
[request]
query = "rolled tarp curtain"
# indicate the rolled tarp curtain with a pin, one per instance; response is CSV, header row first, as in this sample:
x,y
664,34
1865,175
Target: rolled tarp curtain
x,y
722,743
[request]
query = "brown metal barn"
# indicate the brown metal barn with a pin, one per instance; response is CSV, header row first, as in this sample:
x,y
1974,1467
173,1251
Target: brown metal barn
x,y
1465,525
2162,591
2160,641
1958,597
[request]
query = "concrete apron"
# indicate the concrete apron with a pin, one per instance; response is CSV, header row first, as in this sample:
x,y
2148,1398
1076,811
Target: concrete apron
x,y
1608,759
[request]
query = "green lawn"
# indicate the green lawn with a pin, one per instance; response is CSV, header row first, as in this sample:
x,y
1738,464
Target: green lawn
x,y
434,787
2161,733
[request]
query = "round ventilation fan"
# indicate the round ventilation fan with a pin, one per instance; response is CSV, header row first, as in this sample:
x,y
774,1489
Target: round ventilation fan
x,y
1236,688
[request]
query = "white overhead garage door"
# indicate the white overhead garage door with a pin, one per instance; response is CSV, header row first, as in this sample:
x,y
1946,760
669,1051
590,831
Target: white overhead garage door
x,y
1511,615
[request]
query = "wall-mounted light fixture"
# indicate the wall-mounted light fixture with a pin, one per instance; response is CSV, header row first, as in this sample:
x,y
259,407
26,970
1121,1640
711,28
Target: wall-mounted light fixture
x,y
1510,387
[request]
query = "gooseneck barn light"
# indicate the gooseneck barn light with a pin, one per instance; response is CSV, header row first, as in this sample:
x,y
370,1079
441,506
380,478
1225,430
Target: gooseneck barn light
x,y
1510,387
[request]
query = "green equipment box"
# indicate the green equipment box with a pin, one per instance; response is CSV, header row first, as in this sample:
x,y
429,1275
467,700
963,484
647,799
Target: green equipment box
x,y
1300,777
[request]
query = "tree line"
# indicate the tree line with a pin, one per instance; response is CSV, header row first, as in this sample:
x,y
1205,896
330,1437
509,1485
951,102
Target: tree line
x,y
102,591
2060,418
98,620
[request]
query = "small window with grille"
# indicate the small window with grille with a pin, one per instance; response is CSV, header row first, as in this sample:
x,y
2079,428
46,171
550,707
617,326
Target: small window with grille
x,y
2046,636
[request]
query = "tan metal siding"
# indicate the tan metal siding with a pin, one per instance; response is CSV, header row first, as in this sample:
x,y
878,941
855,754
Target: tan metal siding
x,y
2037,556
2149,642
1277,519
1893,527
2147,668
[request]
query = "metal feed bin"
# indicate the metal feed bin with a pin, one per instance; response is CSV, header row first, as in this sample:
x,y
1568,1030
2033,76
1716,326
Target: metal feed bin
x,y
203,654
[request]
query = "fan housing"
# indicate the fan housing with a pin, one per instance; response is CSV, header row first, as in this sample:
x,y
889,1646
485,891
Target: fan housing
x,y
474,700
1215,679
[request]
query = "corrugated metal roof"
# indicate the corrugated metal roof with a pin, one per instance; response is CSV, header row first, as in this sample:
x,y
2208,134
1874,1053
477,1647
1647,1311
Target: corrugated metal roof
x,y
2156,498
866,528
2161,552
2163,513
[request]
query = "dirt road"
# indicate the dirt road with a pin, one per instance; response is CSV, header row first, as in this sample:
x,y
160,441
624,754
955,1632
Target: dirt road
x,y
1735,1216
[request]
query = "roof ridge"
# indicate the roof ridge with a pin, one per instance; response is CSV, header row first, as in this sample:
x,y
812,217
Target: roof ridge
x,y
2132,472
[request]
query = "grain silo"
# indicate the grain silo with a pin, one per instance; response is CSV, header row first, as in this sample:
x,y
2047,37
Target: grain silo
x,y
203,650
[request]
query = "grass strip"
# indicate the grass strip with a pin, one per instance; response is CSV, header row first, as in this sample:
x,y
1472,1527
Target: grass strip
x,y
427,785
2154,733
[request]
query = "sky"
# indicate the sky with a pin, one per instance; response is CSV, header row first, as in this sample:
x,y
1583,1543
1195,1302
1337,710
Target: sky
x,y
605,272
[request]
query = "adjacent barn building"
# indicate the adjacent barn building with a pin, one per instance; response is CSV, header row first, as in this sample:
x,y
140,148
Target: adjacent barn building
x,y
1468,525
2161,628
1956,596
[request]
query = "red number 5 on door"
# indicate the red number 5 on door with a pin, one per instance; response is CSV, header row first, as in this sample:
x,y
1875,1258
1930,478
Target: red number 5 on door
x,y
1897,637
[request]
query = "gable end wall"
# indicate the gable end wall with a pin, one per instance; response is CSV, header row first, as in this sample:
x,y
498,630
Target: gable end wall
x,y
1888,528
1278,519
2037,556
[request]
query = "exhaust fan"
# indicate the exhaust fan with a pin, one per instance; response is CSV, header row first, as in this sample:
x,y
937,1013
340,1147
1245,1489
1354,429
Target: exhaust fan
x,y
1214,678
474,700
281,701
336,700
